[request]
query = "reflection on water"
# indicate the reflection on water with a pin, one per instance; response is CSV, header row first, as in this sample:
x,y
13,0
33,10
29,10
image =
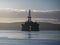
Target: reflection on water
x,y
30,42
25,35
29,38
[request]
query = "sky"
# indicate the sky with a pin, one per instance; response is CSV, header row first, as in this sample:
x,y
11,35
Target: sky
x,y
31,4
17,9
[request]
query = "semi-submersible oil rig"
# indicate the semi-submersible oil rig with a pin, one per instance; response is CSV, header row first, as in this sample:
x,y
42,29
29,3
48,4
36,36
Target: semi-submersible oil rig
x,y
30,25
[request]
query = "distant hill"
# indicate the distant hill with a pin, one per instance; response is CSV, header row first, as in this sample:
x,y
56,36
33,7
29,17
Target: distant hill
x,y
49,26
17,26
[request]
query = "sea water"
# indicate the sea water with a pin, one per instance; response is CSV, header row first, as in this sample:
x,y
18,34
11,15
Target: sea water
x,y
12,37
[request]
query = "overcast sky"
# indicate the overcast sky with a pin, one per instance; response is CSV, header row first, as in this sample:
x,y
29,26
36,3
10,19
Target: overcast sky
x,y
31,4
17,9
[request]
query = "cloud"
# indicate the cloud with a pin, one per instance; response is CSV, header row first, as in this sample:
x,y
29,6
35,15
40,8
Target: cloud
x,y
11,9
9,15
12,20
22,13
23,10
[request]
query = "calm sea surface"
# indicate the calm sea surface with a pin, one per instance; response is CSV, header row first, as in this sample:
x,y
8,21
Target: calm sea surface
x,y
8,37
